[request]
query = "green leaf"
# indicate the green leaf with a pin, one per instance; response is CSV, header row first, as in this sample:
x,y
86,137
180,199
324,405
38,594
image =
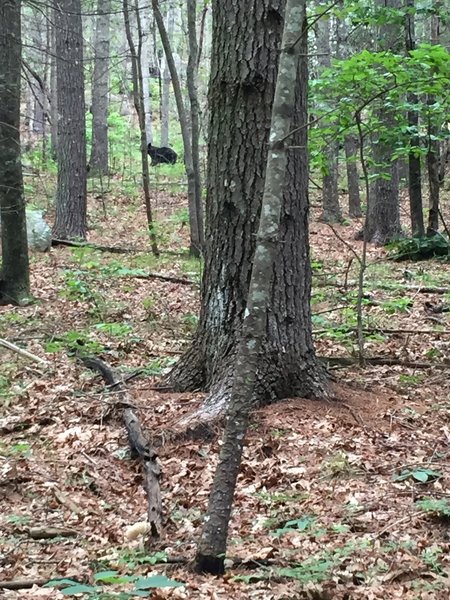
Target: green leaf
x,y
103,575
80,588
420,475
156,581
112,577
58,582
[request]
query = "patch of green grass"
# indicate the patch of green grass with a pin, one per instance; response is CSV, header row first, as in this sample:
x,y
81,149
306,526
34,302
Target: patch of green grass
x,y
74,342
21,449
395,305
190,322
438,508
410,380
316,569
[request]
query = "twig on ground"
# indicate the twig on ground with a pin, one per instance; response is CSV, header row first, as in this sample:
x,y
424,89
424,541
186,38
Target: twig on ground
x,y
22,352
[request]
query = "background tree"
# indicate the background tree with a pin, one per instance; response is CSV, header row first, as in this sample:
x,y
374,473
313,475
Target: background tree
x,y
344,49
145,67
98,161
196,206
138,96
166,76
330,195
70,220
240,100
14,281
383,213
193,177
414,156
433,151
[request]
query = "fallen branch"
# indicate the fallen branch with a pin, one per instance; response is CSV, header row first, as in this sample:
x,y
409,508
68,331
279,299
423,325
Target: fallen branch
x,y
22,584
139,445
22,352
46,533
169,278
385,286
385,330
348,361
73,244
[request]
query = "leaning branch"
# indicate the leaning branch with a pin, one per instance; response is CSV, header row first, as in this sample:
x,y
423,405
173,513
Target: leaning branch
x,y
139,444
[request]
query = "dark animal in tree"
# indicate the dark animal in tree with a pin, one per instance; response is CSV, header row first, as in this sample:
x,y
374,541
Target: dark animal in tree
x,y
162,156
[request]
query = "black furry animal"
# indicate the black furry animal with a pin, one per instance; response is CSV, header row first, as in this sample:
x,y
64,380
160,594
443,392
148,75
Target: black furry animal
x,y
162,156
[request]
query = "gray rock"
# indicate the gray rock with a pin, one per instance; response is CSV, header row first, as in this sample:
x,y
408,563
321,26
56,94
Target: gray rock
x,y
39,233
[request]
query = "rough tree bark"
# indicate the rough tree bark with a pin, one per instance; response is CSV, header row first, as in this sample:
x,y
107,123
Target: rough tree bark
x,y
383,213
414,166
212,546
194,200
100,89
70,220
242,84
14,278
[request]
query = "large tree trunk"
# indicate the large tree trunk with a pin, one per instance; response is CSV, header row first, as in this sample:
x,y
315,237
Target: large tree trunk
x,y
14,280
70,221
240,100
100,89
383,212
212,546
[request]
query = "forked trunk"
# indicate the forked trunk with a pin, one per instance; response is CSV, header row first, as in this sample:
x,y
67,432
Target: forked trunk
x,y
240,100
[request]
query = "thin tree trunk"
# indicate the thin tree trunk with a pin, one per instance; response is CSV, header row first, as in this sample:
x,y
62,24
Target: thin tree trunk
x,y
145,67
165,91
195,205
351,156
351,147
14,280
330,192
98,161
138,97
433,154
53,85
196,224
70,220
212,546
201,36
414,167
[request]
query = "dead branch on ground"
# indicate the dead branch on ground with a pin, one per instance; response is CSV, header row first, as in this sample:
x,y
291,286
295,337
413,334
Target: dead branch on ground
x,y
139,444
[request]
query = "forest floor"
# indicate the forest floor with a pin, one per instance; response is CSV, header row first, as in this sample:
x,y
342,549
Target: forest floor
x,y
340,499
